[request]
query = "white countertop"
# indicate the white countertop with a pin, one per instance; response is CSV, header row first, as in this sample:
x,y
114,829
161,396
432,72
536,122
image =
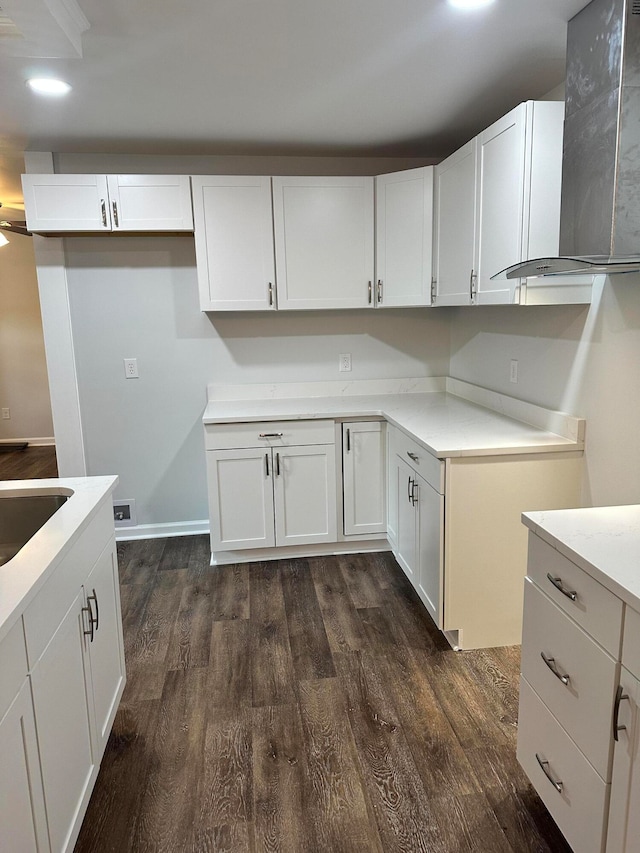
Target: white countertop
x,y
25,574
444,423
604,541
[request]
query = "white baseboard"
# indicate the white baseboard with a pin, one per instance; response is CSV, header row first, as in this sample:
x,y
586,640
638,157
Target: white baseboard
x,y
162,531
289,552
41,441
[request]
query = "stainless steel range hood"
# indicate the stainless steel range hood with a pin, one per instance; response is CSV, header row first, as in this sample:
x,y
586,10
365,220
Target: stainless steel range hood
x,y
600,207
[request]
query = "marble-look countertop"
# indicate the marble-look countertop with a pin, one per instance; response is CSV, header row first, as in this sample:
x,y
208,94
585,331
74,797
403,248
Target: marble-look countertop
x,y
24,575
604,541
444,423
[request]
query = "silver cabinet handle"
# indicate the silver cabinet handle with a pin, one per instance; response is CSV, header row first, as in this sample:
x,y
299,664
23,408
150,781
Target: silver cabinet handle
x,y
415,491
270,295
620,695
544,764
370,293
88,632
410,483
379,291
103,207
557,582
114,207
348,440
413,456
266,463
551,663
270,435
277,464
473,285
434,289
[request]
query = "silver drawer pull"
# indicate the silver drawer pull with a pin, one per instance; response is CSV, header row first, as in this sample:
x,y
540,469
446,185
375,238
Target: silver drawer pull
x,y
413,456
270,435
557,582
544,764
551,663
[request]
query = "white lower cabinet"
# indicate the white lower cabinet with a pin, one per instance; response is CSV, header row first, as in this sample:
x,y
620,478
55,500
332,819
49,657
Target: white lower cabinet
x,y
67,651
364,470
276,487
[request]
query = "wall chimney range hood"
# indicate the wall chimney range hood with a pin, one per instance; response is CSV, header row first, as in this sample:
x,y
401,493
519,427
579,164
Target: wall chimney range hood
x,y
600,206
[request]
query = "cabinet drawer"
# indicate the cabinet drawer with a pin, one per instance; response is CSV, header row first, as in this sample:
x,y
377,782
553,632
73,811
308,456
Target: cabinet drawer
x,y
631,642
269,434
583,706
579,809
593,607
428,466
13,666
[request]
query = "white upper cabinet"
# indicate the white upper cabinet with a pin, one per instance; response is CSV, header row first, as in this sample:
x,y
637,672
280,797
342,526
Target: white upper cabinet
x,y
455,227
498,203
324,242
234,242
150,202
404,235
59,203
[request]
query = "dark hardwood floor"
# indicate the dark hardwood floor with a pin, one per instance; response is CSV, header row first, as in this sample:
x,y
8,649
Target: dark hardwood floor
x,y
303,706
32,463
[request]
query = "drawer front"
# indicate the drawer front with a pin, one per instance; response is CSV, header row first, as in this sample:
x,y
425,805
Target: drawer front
x,y
428,466
579,809
631,642
13,666
49,607
269,434
596,609
584,705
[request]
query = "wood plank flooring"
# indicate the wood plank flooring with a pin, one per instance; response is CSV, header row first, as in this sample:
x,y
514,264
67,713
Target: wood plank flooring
x,y
303,706
29,464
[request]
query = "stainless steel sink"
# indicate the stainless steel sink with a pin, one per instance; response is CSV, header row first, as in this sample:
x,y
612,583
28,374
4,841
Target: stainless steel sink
x,y
21,517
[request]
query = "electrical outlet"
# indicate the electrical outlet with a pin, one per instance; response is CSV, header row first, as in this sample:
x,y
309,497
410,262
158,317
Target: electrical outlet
x,y
6,414
513,371
131,368
344,362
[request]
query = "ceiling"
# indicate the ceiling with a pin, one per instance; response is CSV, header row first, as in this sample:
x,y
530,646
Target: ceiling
x,y
337,77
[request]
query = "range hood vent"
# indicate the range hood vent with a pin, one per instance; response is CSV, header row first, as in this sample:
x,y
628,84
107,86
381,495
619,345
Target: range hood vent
x,y
600,207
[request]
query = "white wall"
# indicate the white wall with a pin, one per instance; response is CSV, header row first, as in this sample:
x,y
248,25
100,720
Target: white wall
x,y
24,387
137,297
585,361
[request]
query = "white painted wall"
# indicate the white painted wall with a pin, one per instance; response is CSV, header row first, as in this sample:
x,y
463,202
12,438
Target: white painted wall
x,y
24,386
583,360
138,297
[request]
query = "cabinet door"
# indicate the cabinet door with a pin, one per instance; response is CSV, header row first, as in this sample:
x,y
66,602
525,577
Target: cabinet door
x,y
66,202
324,242
364,477
106,649
305,494
61,684
23,824
234,242
624,821
430,534
406,546
240,498
150,202
404,237
501,188
392,488
455,226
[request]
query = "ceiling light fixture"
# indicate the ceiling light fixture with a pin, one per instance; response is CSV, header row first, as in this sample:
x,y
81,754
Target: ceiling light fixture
x,y
469,4
48,86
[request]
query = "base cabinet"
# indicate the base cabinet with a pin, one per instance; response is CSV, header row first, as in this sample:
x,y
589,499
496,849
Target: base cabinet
x,y
364,460
276,493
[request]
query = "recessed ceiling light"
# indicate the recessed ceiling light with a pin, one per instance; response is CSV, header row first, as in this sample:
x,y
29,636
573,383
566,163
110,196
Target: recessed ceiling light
x,y
48,86
469,4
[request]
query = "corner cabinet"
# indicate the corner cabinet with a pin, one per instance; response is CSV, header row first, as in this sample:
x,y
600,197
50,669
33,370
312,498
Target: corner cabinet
x,y
324,242
104,203
271,484
497,202
234,242
404,237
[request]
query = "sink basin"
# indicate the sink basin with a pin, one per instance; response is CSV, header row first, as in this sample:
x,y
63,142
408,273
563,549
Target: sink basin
x,y
21,517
